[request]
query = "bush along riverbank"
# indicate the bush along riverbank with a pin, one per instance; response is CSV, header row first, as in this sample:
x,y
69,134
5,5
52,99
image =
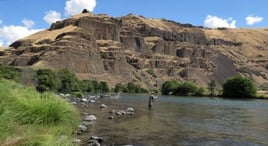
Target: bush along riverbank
x,y
30,118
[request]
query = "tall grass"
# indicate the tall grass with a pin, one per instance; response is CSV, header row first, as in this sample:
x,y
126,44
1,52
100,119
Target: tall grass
x,y
43,109
30,118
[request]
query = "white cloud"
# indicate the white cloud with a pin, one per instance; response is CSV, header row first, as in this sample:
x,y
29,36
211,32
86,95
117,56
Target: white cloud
x,y
73,7
11,33
28,23
1,43
52,16
215,22
253,20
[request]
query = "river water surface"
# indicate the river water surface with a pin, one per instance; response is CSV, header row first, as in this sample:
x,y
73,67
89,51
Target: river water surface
x,y
182,121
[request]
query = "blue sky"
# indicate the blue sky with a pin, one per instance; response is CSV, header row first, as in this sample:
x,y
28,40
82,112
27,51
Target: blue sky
x,y
19,18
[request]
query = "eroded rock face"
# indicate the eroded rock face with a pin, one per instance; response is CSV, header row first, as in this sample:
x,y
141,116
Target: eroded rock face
x,y
124,49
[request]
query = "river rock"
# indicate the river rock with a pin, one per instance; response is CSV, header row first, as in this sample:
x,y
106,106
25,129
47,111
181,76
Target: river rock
x,y
95,141
118,113
84,100
90,118
74,103
103,106
111,117
96,138
130,109
83,128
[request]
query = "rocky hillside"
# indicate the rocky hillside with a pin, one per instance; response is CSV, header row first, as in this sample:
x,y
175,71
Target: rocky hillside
x,y
144,51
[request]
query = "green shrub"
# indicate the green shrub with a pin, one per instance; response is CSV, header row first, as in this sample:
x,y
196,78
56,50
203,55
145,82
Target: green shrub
x,y
68,81
47,80
118,87
9,72
173,87
133,88
86,86
129,88
239,87
170,87
103,86
199,92
186,89
95,85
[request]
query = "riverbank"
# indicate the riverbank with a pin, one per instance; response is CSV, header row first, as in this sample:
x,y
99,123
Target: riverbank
x,y
30,118
102,115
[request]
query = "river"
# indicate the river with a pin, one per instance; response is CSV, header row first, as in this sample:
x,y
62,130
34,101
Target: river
x,y
181,121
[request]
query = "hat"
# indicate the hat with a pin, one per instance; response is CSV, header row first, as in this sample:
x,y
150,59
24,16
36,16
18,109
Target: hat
x,y
152,92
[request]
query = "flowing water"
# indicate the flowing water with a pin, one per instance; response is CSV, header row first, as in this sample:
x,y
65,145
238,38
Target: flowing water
x,y
182,121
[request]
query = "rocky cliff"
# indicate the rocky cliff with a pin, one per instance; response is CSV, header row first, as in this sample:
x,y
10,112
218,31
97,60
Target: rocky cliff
x,y
144,51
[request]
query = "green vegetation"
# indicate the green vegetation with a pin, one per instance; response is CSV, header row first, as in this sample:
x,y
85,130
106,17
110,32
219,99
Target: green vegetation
x,y
30,118
86,85
173,87
47,80
103,86
9,72
129,88
66,82
170,87
189,89
239,87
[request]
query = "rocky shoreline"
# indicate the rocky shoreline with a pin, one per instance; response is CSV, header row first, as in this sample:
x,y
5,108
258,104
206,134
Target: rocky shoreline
x,y
92,110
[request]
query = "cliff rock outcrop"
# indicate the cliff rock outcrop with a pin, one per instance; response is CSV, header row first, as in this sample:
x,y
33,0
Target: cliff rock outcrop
x,y
97,46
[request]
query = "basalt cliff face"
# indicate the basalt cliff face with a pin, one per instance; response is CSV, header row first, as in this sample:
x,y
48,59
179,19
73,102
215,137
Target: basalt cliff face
x,y
143,51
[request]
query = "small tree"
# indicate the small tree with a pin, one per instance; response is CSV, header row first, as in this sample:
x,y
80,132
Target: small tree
x,y
131,87
103,86
46,80
118,87
86,85
95,85
239,87
68,81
